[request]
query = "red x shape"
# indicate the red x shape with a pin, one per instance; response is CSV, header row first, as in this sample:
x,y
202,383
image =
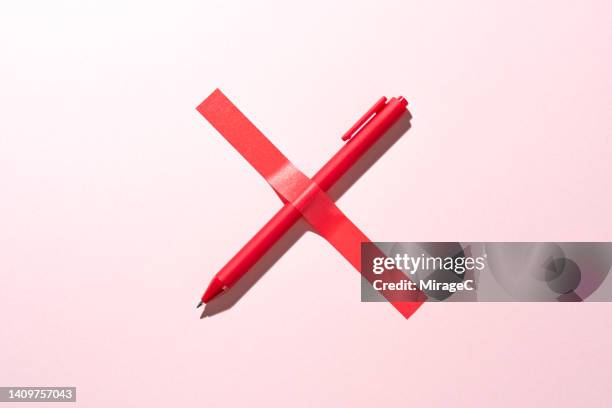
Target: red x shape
x,y
293,187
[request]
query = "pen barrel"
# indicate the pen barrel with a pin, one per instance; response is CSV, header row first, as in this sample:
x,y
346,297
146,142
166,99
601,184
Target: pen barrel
x,y
357,146
257,246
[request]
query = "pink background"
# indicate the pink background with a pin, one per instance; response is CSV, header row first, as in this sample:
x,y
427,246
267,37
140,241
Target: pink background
x,y
119,202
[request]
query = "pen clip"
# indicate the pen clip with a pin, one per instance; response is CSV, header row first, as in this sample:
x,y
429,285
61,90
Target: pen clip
x,y
365,118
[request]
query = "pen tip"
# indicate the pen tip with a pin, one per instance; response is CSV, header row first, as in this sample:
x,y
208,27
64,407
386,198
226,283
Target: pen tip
x,y
199,304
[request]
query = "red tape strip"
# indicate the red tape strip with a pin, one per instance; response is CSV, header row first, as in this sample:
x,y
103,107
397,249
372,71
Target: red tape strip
x,y
294,187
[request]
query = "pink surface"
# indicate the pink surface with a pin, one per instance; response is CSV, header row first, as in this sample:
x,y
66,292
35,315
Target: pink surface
x,y
109,213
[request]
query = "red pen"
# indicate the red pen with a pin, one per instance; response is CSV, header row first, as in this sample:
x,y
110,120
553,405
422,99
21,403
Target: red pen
x,y
360,137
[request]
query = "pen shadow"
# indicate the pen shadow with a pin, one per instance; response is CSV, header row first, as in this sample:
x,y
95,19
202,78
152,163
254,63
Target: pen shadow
x,y
231,296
